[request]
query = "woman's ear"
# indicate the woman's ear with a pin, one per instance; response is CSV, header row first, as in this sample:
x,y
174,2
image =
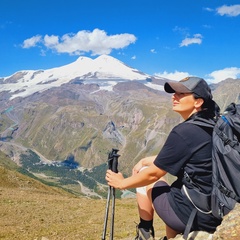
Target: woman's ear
x,y
199,102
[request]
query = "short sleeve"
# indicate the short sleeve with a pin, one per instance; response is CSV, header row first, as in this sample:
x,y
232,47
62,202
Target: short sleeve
x,y
174,153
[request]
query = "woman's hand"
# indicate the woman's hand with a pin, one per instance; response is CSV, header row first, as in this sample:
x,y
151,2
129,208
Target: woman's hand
x,y
150,175
114,179
144,162
137,167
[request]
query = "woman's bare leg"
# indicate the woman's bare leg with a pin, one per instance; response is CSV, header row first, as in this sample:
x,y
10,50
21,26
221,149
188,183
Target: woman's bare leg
x,y
170,233
145,208
146,212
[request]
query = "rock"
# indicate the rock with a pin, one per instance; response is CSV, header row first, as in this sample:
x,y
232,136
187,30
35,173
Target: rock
x,y
196,235
230,227
228,230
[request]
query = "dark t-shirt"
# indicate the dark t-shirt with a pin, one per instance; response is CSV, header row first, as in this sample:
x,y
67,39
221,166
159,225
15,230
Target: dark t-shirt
x,y
188,148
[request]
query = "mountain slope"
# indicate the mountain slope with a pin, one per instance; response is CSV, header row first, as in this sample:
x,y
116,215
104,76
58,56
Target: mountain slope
x,y
32,210
82,121
14,177
75,120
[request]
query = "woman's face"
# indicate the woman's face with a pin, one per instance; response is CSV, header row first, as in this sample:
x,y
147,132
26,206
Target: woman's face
x,y
185,104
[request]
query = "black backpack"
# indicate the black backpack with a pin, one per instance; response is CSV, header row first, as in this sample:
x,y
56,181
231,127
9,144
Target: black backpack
x,y
225,167
226,162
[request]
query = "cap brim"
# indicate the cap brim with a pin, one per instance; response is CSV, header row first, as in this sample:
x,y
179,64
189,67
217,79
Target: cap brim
x,y
172,87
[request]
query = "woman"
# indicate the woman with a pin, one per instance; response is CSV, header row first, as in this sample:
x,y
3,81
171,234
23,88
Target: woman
x,y
186,154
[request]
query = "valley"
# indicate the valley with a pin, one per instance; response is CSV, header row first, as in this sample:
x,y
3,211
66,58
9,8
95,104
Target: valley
x,y
64,129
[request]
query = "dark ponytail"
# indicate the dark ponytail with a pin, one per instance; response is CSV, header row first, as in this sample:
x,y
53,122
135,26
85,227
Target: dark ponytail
x,y
209,107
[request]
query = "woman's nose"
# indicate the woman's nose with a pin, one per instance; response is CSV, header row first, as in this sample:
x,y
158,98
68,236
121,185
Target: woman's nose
x,y
174,96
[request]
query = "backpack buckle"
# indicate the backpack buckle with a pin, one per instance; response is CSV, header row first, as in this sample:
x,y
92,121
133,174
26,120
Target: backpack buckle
x,y
228,193
225,191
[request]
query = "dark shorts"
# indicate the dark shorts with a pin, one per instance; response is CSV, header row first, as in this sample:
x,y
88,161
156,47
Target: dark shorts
x,y
163,208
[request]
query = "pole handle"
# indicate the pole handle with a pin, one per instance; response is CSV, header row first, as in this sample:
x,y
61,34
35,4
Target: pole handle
x,y
113,160
115,163
112,165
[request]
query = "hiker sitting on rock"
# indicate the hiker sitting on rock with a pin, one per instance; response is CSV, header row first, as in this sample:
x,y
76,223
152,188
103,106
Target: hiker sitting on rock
x,y
186,154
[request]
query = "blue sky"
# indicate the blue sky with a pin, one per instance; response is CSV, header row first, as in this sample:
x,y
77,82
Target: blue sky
x,y
169,38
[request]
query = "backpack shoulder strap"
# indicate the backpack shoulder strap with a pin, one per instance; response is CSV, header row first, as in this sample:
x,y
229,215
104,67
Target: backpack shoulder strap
x,y
190,223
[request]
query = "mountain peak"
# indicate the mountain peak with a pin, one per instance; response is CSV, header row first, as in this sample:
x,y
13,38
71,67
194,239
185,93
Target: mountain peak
x,y
82,59
106,58
102,59
104,67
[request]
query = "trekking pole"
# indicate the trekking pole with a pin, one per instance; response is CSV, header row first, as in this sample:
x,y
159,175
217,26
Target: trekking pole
x,y
107,204
112,165
106,213
114,169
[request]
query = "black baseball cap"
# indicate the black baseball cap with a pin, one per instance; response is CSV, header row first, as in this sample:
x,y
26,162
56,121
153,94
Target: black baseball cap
x,y
190,85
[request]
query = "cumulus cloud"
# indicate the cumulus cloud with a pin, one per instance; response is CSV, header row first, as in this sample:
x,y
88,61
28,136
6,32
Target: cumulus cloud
x,y
50,41
32,42
231,11
196,39
214,77
220,75
173,76
97,42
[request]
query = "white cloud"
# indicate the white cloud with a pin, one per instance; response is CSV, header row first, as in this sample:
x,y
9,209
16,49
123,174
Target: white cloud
x,y
214,77
31,42
208,9
196,39
42,52
134,57
173,76
50,41
153,51
183,31
232,10
220,75
97,42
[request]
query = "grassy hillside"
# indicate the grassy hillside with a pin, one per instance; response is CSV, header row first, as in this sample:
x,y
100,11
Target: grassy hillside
x,y
72,122
31,210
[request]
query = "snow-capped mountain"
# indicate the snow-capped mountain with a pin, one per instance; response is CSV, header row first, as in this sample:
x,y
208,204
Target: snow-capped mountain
x,y
104,70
